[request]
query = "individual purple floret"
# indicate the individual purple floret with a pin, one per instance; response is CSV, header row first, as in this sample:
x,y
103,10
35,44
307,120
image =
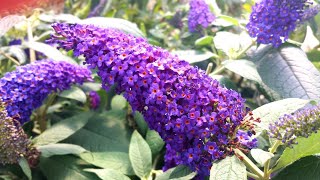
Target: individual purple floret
x,y
196,117
272,21
94,99
246,139
299,124
25,88
199,16
14,143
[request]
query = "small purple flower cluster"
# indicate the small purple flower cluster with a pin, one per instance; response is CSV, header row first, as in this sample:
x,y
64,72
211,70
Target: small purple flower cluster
x,y
246,139
14,143
272,21
25,88
299,124
94,99
310,13
199,15
196,117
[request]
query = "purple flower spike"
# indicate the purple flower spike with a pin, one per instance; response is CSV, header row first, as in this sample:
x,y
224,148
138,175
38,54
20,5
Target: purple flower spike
x,y
14,143
299,124
25,88
94,99
199,16
272,21
196,117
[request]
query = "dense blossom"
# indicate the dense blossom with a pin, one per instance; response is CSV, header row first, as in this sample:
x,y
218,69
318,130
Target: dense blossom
x,y
195,116
14,143
299,124
25,88
272,21
199,15
94,99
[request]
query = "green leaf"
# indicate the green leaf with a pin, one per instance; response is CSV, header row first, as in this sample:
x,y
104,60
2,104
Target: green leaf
x,y
108,174
118,161
140,155
225,81
203,41
305,168
227,42
223,20
193,56
51,18
155,142
261,156
271,112
74,93
142,124
23,163
7,22
244,68
104,132
287,71
305,147
60,149
49,51
228,168
63,129
118,102
177,173
64,167
117,23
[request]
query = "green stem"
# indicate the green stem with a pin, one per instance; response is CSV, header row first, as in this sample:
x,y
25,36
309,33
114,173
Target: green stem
x,y
219,70
10,58
30,39
209,68
272,150
249,174
250,164
244,50
42,120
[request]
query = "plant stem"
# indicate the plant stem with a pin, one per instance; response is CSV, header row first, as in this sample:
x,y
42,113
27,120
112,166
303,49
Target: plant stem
x,y
30,39
250,164
10,58
209,68
273,149
42,120
219,70
244,50
249,174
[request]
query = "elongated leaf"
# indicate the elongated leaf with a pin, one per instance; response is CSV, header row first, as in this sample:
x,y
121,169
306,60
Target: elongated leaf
x,y
15,51
305,147
104,132
244,68
155,142
116,23
227,42
142,124
271,112
64,167
74,93
49,51
7,22
108,174
63,129
118,102
193,56
177,173
118,161
261,156
306,168
288,71
228,168
25,167
60,149
140,155
206,40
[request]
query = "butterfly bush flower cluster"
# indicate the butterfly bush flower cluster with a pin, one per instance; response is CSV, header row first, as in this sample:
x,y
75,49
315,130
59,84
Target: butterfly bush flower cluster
x,y
25,88
299,124
196,117
94,99
272,21
199,15
14,143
